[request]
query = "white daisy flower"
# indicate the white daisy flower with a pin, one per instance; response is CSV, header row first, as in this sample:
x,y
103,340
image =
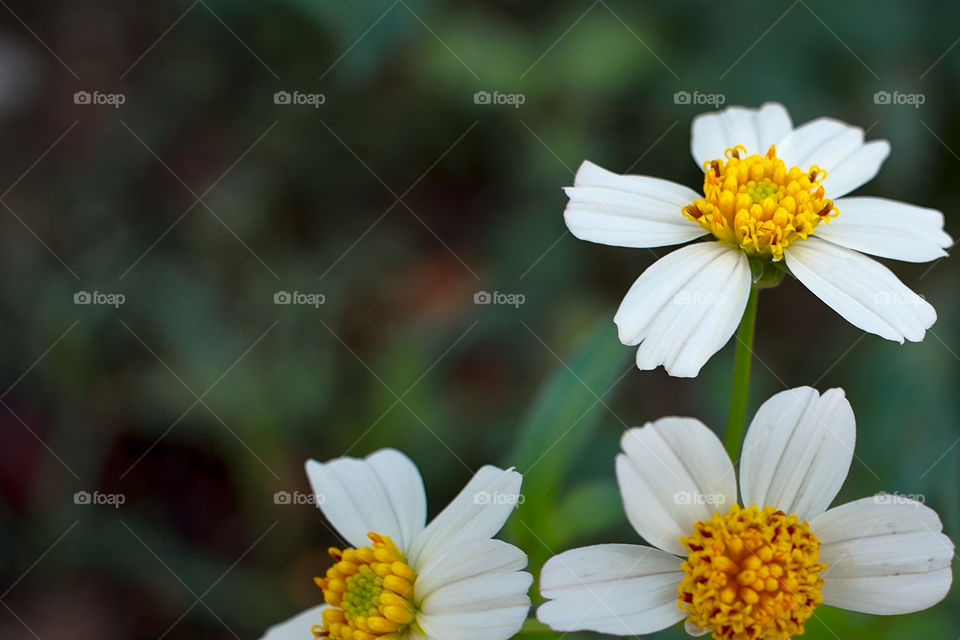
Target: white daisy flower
x,y
756,571
404,579
770,193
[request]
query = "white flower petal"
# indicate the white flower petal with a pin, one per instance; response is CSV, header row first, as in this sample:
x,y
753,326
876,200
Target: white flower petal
x,y
673,473
797,451
693,630
685,307
468,560
628,211
755,129
477,512
860,289
836,147
297,627
489,606
824,142
618,589
383,493
485,592
884,554
856,169
496,624
888,229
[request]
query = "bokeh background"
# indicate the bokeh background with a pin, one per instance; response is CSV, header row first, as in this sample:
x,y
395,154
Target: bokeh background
x,y
399,198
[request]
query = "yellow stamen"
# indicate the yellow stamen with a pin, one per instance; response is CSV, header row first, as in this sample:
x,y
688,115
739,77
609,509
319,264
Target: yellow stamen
x,y
752,574
370,592
757,205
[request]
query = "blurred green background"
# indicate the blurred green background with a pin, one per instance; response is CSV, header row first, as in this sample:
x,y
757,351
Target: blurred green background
x,y
398,199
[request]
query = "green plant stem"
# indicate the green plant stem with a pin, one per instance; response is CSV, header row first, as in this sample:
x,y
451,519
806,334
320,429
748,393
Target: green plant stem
x,y
741,376
533,626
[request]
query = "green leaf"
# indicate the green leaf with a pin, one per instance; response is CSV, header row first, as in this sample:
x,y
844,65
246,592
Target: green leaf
x,y
562,419
591,508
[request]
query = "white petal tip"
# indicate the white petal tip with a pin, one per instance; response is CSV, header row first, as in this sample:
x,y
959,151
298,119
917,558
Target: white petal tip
x,y
836,391
682,373
693,630
588,169
646,364
627,338
544,618
684,370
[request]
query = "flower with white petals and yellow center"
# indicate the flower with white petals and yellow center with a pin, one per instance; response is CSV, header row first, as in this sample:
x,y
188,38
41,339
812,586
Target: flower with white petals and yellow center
x,y
775,200
756,572
404,579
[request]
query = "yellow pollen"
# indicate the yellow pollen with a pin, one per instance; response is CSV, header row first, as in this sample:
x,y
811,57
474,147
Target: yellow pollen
x,y
370,593
757,205
752,574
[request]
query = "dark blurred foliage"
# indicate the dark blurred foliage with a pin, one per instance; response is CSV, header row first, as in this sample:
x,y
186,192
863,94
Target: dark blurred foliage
x,y
398,198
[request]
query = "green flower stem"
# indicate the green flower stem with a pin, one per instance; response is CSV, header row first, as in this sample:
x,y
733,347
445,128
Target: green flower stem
x,y
533,626
741,376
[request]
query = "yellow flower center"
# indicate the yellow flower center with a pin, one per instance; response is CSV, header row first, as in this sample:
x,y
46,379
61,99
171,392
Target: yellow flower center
x,y
757,205
370,593
751,574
